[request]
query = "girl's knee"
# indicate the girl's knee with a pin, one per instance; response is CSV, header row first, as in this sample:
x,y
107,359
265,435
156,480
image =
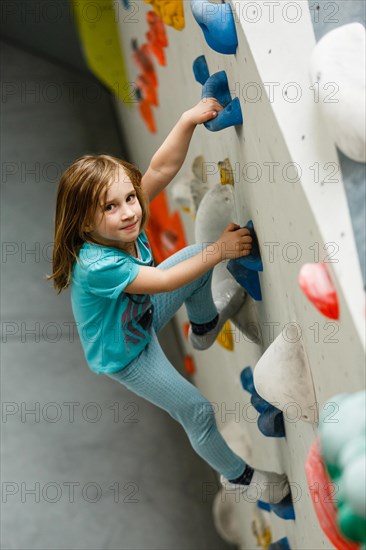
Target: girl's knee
x,y
203,412
198,416
204,424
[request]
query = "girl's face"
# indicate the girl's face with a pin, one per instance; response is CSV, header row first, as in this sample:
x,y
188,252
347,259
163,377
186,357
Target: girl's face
x,y
117,221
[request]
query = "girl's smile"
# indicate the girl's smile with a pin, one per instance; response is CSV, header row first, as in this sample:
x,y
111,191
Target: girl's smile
x,y
129,227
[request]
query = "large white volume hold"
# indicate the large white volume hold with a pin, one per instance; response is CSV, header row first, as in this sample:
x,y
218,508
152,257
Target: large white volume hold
x,y
282,377
337,70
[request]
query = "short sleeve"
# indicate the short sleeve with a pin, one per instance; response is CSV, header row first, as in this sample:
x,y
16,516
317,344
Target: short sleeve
x,y
108,277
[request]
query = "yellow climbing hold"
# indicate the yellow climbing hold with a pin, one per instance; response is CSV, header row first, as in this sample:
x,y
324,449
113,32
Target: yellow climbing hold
x,y
225,338
261,530
170,11
264,539
97,26
226,172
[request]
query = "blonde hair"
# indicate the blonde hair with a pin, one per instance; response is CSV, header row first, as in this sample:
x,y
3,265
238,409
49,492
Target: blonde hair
x,y
81,188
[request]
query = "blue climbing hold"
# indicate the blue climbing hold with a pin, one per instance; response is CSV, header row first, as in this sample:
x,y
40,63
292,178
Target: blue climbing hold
x,y
258,402
283,509
246,378
245,269
253,261
217,86
200,69
247,278
217,23
281,544
263,505
126,4
270,422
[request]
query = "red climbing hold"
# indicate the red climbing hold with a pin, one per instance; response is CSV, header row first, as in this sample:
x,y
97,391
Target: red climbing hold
x,y
315,282
189,365
323,495
186,329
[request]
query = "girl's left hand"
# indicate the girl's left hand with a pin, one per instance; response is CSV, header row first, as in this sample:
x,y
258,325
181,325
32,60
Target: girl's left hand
x,y
205,110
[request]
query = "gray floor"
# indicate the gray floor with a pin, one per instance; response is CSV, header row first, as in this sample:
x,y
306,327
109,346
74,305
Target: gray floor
x,y
85,463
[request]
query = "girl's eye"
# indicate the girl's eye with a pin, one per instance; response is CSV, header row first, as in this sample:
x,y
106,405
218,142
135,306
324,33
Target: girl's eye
x,y
109,207
132,196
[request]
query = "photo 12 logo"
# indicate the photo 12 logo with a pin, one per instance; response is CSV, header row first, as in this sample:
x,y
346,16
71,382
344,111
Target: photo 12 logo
x,y
68,491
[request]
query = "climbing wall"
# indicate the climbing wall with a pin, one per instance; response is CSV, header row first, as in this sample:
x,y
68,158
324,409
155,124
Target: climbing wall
x,y
287,178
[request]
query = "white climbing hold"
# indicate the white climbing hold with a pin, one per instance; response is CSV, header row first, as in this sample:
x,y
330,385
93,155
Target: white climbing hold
x,y
337,68
245,319
188,192
283,377
225,520
227,523
216,211
261,529
199,168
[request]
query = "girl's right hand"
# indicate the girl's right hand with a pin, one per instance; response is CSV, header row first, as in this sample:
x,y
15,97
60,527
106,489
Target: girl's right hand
x,y
234,242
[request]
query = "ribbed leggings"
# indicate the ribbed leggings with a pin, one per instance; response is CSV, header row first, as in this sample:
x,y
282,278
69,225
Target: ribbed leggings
x,y
153,377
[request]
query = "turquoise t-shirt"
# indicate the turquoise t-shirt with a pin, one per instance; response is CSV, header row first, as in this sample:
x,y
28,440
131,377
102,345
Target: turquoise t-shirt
x,y
113,326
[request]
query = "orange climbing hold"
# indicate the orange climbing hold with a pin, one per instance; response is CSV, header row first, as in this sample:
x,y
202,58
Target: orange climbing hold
x,y
165,230
142,59
170,11
156,49
156,36
148,92
147,115
189,365
323,495
157,28
315,282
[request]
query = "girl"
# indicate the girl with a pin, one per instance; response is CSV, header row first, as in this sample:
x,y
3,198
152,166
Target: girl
x,y
121,301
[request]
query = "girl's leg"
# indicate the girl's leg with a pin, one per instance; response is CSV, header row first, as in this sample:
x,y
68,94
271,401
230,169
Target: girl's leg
x,y
195,295
153,377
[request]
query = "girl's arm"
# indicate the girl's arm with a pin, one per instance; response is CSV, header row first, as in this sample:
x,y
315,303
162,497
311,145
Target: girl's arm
x,y
233,243
168,159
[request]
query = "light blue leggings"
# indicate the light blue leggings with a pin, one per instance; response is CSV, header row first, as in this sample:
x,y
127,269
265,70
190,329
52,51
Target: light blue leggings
x,y
153,377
